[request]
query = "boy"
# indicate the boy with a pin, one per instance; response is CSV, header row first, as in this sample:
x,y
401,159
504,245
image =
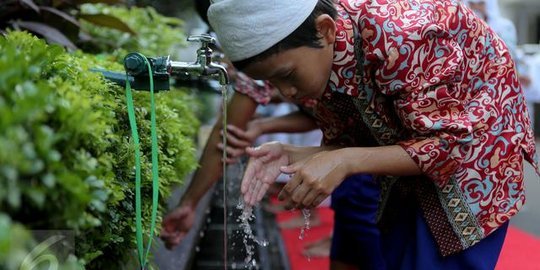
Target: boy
x,y
420,90
240,111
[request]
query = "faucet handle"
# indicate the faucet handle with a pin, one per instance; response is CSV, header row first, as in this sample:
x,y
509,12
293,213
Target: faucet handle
x,y
204,39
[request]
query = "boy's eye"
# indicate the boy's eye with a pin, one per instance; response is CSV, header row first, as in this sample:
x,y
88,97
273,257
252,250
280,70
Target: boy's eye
x,y
290,75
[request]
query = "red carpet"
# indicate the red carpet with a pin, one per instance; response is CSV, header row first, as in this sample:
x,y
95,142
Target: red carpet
x,y
521,251
295,246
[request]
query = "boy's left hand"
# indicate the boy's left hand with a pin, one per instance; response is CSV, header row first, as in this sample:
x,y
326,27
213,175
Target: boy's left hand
x,y
313,180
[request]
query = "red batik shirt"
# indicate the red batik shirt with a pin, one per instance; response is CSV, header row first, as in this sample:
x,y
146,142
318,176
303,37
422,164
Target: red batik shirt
x,y
431,77
261,92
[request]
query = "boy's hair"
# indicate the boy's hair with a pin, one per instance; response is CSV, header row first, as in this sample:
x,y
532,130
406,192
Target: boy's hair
x,y
305,35
201,6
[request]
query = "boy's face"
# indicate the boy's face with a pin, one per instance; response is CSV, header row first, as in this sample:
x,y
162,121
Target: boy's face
x,y
300,73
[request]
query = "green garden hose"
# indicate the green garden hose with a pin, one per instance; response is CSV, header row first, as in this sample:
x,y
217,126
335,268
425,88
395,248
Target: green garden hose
x,y
142,253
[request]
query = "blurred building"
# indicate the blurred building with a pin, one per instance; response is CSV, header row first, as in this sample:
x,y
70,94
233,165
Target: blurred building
x,y
525,14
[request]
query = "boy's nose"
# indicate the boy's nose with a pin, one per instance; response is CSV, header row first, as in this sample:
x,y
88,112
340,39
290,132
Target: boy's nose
x,y
288,91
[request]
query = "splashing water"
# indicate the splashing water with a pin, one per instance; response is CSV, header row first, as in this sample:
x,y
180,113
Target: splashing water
x,y
244,219
307,225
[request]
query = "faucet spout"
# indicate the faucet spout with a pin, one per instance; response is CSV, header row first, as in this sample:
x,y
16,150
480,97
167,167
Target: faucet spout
x,y
162,67
198,69
204,65
179,68
221,72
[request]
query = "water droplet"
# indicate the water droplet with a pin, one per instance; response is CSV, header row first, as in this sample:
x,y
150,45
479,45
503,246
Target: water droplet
x,y
248,238
307,214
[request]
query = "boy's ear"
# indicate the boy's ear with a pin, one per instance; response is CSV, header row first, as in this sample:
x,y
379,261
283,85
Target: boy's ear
x,y
326,27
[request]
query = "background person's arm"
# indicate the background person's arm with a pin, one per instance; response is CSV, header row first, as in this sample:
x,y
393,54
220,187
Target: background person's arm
x,y
294,122
179,221
240,111
240,138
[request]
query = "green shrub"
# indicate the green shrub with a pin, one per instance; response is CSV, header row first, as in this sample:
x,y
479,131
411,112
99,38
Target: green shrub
x,y
67,156
156,34
18,248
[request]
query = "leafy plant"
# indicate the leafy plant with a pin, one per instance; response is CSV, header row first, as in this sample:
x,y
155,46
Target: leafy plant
x,y
66,159
58,21
18,249
156,34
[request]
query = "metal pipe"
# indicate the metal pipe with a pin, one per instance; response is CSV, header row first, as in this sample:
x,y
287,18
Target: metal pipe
x,y
203,66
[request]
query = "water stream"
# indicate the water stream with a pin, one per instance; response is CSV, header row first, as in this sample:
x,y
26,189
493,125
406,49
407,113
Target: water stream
x,y
247,215
224,103
307,225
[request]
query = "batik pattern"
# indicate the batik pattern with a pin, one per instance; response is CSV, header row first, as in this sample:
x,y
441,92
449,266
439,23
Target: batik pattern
x,y
438,81
261,92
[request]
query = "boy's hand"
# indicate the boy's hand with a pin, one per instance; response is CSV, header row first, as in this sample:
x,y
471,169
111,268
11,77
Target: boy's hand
x,y
262,170
238,140
176,225
313,180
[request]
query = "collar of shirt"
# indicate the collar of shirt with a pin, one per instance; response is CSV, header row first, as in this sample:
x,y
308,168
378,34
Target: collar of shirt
x,y
342,77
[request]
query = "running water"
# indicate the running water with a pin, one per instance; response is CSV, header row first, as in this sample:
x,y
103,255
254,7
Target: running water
x,y
247,212
244,219
307,225
224,103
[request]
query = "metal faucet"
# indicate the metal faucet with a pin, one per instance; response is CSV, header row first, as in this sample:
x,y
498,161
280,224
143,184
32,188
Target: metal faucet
x,y
163,67
203,66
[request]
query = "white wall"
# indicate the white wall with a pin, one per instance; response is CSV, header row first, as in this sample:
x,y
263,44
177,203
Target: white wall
x,y
526,16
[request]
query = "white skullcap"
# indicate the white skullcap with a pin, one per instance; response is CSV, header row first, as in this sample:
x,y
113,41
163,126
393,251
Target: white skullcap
x,y
246,28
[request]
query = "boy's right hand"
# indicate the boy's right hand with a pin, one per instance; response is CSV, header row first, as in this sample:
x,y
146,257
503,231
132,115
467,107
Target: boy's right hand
x,y
263,168
176,225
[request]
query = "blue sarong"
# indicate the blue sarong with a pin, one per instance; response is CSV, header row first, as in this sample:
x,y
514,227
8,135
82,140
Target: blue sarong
x,y
408,245
356,238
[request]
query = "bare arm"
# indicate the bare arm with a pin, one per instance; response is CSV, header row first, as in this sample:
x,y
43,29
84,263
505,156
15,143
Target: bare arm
x,y
317,171
382,160
315,177
293,122
240,110
240,138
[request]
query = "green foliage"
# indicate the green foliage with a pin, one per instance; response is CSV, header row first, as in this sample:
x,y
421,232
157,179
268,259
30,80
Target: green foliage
x,y
67,156
56,21
18,249
172,8
15,243
156,34
98,27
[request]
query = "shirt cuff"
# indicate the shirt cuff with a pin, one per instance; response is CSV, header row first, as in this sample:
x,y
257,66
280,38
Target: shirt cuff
x,y
433,157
